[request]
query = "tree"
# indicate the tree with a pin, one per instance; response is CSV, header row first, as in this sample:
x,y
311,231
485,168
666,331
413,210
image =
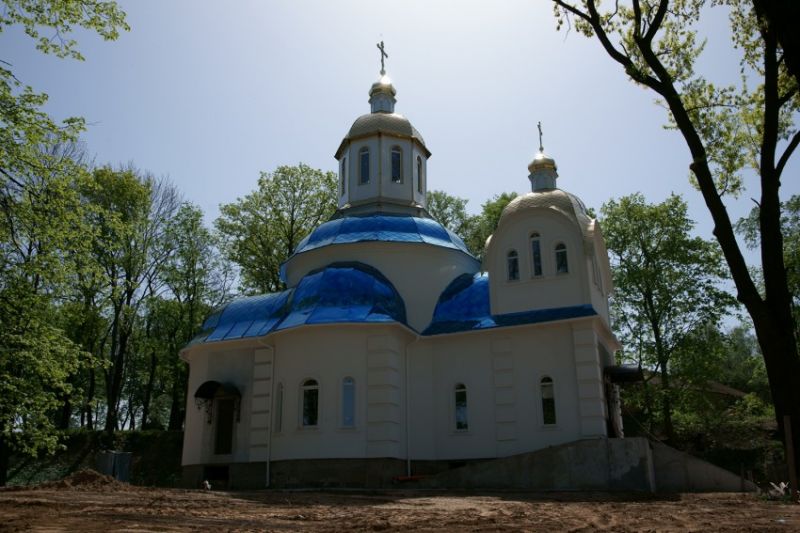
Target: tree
x,y
261,230
38,226
726,129
450,212
484,224
666,285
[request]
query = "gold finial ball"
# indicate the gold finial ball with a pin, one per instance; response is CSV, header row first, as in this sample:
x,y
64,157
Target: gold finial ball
x,y
542,161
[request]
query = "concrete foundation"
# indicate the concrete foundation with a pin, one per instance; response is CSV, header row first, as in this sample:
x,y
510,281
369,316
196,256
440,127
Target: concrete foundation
x,y
632,464
593,464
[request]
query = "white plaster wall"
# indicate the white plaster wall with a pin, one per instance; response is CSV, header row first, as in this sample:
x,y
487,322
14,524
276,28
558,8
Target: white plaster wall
x,y
420,272
225,365
328,354
502,370
550,289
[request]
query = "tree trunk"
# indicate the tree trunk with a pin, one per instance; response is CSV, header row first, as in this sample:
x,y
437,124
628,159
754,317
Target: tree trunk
x,y
148,391
90,400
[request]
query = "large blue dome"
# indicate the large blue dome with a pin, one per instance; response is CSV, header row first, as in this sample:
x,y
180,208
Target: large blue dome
x,y
338,293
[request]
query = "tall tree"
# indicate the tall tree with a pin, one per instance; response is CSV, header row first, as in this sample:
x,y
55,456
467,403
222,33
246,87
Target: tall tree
x,y
666,284
726,129
450,212
484,224
261,230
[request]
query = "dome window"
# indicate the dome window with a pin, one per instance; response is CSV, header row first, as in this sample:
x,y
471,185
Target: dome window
x,y
536,255
512,264
562,266
363,159
419,174
397,164
344,174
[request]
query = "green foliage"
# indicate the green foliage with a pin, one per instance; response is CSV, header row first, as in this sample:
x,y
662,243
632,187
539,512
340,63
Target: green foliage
x,y
261,230
667,293
450,212
484,224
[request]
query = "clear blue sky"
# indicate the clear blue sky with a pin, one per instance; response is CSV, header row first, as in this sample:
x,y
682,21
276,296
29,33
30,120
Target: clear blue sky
x,y
211,93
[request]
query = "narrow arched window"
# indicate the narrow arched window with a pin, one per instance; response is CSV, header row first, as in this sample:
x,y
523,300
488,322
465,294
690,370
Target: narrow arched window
x,y
419,174
536,255
344,173
279,408
562,266
548,401
310,394
397,164
348,402
512,265
461,418
363,158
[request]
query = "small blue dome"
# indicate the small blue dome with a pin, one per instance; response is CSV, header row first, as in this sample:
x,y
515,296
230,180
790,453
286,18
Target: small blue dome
x,y
464,306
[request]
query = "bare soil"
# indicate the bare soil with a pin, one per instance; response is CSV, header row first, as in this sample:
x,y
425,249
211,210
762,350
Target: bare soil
x,y
90,502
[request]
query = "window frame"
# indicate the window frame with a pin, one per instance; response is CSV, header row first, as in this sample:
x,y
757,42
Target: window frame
x,y
460,388
396,149
512,254
306,387
362,152
344,177
420,174
342,414
561,248
535,240
547,381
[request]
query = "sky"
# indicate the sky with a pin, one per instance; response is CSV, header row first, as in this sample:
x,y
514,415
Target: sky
x,y
209,94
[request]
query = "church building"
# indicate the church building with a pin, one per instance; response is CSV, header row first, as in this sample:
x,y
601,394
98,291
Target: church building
x,y
394,352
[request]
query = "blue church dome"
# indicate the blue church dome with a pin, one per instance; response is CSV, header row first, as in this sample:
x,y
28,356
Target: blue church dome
x,y
381,228
338,293
464,306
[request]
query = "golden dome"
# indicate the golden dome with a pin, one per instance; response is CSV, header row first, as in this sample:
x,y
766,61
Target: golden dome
x,y
542,161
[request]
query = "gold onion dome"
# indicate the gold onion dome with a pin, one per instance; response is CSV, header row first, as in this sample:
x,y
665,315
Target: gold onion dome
x,y
542,161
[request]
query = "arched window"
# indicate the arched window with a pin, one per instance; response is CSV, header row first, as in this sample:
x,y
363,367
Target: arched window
x,y
548,401
419,174
562,267
536,255
363,157
344,173
397,164
348,402
462,422
279,408
310,394
512,264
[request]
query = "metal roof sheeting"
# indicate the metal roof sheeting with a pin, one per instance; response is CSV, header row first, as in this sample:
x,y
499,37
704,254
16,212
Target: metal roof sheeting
x,y
338,293
464,306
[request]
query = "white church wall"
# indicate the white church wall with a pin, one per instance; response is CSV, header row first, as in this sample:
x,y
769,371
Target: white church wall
x,y
549,290
502,371
372,356
419,272
233,366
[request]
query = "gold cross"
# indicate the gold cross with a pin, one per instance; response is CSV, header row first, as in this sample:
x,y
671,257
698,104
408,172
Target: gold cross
x,y
383,55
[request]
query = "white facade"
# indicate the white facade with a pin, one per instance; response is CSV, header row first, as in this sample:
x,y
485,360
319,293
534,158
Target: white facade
x,y
389,343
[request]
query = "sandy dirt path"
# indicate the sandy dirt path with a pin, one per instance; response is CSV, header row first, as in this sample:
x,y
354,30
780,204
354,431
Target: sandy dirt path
x,y
111,506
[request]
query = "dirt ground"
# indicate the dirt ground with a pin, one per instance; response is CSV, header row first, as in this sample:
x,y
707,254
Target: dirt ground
x,y
90,502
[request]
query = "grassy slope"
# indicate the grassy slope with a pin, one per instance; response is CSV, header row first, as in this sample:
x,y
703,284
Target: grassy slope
x,y
156,457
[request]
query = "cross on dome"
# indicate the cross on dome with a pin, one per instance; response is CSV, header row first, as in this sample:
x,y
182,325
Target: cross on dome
x,y
384,55
539,125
